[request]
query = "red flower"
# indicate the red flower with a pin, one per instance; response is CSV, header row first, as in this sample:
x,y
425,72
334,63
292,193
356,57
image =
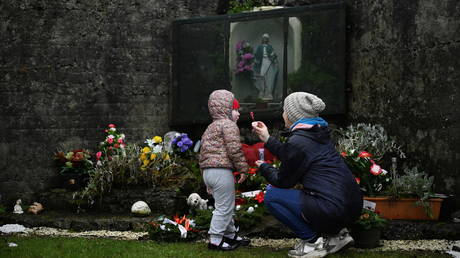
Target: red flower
x,y
358,180
375,169
252,171
116,145
260,197
240,201
344,154
364,154
111,125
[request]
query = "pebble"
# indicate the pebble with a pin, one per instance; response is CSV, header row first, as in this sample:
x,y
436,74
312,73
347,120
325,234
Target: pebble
x,y
387,245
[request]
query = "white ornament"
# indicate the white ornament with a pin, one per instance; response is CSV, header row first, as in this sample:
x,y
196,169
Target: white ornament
x,y
250,209
17,208
238,207
140,208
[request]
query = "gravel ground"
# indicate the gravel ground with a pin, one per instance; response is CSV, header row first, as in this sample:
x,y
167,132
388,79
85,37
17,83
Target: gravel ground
x,y
388,245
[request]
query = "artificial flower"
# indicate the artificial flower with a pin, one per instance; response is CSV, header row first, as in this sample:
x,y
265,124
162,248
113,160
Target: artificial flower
x,y
157,139
146,150
111,126
364,154
260,197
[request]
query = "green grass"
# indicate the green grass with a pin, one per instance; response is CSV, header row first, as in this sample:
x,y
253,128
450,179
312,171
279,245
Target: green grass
x,y
84,247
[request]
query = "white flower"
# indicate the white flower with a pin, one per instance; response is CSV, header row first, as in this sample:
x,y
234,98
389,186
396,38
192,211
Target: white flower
x,y
256,206
250,209
162,227
157,149
238,207
113,129
384,172
122,136
111,136
150,143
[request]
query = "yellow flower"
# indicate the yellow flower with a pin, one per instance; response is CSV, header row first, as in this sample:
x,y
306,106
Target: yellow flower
x,y
153,156
166,156
157,139
143,156
146,150
146,162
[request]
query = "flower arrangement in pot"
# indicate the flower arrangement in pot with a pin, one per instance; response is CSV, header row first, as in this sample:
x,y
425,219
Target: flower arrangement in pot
x,y
367,229
364,147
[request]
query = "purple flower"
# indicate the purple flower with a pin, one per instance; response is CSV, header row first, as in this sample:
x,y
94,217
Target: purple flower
x,y
179,144
183,148
248,68
241,64
248,56
239,45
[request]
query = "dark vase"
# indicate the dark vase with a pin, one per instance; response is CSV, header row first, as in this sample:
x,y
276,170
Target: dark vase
x,y
366,238
74,181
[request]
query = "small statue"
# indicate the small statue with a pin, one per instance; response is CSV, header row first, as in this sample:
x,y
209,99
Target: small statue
x,y
35,208
17,208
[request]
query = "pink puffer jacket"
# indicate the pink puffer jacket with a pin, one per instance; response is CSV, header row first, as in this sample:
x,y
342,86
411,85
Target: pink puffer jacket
x,y
221,146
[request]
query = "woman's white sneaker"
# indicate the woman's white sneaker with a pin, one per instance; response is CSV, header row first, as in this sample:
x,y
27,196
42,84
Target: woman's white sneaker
x,y
309,250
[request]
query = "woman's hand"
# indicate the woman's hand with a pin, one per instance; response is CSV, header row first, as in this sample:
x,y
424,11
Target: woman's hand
x,y
261,130
259,162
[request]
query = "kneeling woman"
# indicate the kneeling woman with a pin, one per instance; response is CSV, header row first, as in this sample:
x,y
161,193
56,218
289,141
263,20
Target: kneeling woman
x,y
330,198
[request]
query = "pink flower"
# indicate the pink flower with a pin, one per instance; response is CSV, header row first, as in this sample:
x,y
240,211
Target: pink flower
x,y
110,140
120,140
241,64
116,145
98,155
248,56
111,125
344,154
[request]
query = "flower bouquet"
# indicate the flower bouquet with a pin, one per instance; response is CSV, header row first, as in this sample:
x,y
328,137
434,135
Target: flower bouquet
x,y
249,209
113,144
154,156
75,167
77,161
175,230
244,58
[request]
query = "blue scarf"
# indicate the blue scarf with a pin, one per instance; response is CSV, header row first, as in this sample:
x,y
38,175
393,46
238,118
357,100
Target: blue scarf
x,y
310,121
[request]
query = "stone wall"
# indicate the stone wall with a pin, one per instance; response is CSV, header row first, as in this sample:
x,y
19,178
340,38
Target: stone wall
x,y
404,73
68,68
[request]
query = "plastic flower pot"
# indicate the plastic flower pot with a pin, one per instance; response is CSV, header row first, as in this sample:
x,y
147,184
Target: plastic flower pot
x,y
405,208
366,238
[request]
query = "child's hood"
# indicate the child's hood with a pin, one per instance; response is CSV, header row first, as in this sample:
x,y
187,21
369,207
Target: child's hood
x,y
220,104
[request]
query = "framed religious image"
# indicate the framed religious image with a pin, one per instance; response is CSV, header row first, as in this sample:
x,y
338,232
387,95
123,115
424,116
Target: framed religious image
x,y
261,57
256,56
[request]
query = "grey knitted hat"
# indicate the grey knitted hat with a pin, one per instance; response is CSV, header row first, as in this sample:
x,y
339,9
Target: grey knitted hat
x,y
302,105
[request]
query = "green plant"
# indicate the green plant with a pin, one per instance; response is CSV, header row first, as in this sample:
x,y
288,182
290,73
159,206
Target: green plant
x,y
366,137
370,219
238,6
413,183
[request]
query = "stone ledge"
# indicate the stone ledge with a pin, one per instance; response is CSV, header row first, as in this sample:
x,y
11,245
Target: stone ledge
x,y
268,227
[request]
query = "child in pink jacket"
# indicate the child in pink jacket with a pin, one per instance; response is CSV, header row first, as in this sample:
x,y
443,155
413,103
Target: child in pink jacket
x,y
220,155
